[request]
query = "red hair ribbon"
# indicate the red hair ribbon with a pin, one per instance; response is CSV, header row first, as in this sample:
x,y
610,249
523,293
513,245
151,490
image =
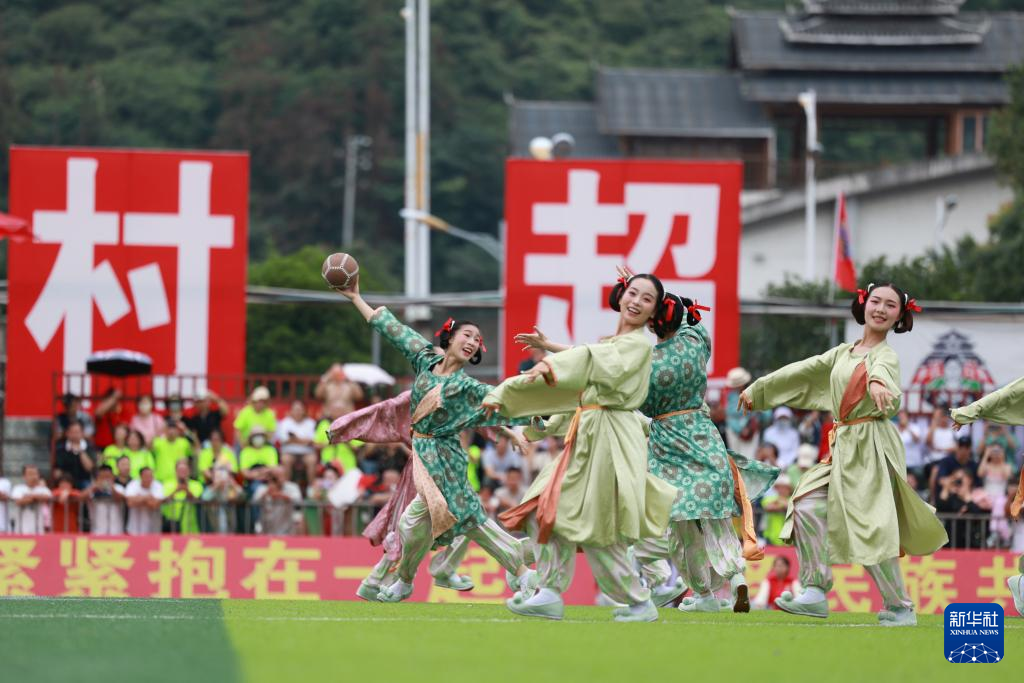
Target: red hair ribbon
x,y
483,347
913,306
695,310
670,308
623,281
861,294
447,327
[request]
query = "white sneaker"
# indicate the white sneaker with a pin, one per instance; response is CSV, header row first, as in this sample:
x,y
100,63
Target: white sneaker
x,y
1014,583
710,603
898,617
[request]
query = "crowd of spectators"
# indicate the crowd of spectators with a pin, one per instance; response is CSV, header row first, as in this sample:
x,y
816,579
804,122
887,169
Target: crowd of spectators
x,y
150,464
195,465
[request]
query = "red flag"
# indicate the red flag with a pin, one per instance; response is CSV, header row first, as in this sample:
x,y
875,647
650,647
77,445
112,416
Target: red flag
x,y
845,273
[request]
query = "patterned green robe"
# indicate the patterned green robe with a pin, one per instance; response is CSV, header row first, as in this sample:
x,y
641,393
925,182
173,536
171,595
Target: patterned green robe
x,y
687,451
607,495
1005,406
872,512
442,455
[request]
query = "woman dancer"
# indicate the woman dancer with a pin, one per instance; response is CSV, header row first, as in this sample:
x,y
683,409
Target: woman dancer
x,y
1005,406
389,422
597,493
855,506
686,450
445,401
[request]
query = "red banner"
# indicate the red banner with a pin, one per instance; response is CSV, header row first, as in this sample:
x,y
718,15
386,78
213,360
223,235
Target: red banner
x,y
319,568
569,223
138,250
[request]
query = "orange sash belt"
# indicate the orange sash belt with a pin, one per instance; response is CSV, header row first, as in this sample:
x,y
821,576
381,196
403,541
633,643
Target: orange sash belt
x,y
750,549
418,435
546,504
665,416
844,423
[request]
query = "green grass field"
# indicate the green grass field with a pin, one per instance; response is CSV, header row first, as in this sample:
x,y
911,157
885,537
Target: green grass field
x,y
194,640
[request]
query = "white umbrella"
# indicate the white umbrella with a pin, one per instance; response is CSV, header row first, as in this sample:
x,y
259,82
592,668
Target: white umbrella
x,y
367,373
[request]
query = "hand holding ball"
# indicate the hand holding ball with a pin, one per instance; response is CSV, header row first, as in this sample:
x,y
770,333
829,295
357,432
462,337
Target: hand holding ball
x,y
341,272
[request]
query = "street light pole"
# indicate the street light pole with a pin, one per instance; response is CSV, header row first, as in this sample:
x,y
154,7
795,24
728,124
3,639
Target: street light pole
x,y
486,242
417,153
423,147
411,228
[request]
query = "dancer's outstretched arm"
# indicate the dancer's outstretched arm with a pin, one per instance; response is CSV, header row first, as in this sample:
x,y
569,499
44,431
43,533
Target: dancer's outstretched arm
x,y
538,340
356,298
804,384
408,341
1005,405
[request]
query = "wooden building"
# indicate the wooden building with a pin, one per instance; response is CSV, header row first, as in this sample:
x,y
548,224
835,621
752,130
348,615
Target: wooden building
x,y
897,81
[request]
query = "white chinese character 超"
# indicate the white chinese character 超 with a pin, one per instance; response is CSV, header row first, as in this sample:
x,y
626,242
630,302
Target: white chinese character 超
x,y
583,220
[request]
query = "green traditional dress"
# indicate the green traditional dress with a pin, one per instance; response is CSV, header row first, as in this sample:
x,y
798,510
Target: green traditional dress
x,y
1005,406
606,496
436,436
686,449
872,513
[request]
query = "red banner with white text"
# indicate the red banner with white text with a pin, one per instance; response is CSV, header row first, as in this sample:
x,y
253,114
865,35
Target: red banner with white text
x,y
318,568
138,250
570,222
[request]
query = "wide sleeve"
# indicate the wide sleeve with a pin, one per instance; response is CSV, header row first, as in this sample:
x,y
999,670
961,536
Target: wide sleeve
x,y
1005,405
884,367
559,392
473,391
408,341
539,428
609,366
384,422
803,384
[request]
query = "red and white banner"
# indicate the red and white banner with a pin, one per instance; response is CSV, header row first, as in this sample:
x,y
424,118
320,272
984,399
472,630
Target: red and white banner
x,y
570,222
322,568
138,250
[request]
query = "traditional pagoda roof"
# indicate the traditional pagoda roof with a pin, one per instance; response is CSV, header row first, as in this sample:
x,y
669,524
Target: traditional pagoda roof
x,y
883,7
764,41
677,103
902,23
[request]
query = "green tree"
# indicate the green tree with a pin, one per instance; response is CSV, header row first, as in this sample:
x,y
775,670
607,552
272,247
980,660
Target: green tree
x,y
307,338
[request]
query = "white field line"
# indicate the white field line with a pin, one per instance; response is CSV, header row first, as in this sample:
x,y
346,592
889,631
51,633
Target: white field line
x,y
459,620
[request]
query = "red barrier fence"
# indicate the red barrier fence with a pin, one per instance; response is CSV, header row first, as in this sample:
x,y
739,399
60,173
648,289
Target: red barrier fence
x,y
331,569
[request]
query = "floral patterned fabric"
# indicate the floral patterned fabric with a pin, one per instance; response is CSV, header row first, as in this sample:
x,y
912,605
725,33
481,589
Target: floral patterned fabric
x,y
687,450
442,455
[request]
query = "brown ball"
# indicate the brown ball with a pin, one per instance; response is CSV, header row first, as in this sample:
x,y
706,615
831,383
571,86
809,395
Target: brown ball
x,y
340,271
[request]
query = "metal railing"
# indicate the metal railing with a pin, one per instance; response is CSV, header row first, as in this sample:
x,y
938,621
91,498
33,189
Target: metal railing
x,y
78,514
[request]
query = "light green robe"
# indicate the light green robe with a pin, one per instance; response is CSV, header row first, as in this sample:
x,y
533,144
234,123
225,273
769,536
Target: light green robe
x,y
1005,406
607,495
872,512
